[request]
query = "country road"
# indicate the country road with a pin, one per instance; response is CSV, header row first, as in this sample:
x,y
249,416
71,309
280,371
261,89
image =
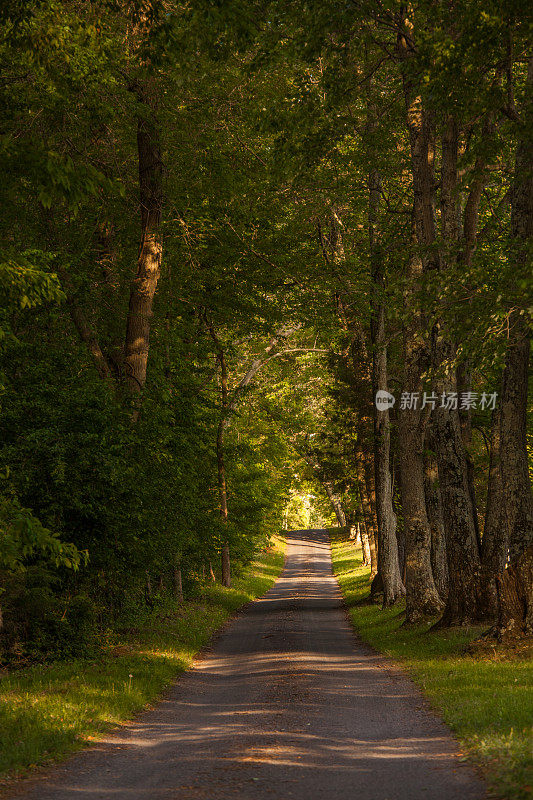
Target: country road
x,y
286,704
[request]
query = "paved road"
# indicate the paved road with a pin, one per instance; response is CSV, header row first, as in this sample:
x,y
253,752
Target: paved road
x,y
287,705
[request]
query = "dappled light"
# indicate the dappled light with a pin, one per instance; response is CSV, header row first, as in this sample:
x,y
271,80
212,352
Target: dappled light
x,y
265,284
286,703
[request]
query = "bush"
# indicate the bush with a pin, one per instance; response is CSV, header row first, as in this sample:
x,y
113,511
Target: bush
x,y
42,623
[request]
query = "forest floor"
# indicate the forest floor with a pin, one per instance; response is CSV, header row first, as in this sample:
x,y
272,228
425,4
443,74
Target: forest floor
x,y
48,711
486,700
286,704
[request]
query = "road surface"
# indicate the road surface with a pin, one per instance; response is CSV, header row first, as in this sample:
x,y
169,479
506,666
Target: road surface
x,y
287,705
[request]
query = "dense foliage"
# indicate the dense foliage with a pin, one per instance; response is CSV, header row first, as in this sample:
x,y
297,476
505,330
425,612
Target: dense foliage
x,y
225,227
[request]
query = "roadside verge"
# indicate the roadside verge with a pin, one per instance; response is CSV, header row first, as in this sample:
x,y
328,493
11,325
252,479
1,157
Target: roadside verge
x,y
487,701
49,711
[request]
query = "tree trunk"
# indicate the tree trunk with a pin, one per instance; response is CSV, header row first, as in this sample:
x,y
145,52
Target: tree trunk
x,y
422,598
439,564
461,541
495,541
225,560
388,565
464,384
365,547
358,363
335,502
178,584
462,536
371,532
514,457
226,566
515,586
393,588
515,598
370,484
143,286
400,527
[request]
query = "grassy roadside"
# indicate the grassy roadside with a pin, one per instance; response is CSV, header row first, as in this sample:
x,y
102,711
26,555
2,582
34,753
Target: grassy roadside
x,y
47,712
488,702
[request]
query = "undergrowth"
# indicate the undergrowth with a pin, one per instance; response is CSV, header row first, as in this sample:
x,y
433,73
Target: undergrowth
x,y
50,710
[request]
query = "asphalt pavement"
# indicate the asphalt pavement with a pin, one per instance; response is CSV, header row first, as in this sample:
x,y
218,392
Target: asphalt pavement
x,y
287,704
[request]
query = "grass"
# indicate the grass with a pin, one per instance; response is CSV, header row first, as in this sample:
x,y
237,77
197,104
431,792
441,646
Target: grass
x,y
487,701
48,711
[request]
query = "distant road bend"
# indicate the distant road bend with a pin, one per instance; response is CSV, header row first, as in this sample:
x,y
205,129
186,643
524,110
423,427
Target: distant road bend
x,y
287,704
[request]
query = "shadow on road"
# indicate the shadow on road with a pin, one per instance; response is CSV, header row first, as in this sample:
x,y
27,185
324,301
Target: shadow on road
x,y
286,705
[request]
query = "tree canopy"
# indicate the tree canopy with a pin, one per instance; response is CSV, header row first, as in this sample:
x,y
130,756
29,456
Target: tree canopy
x,y
225,229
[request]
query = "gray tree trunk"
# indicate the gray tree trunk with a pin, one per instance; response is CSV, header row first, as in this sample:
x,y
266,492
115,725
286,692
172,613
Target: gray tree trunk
x,y
370,523
495,540
388,564
515,586
439,564
336,504
422,598
462,537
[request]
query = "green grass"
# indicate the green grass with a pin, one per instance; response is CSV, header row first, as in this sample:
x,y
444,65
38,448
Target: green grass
x,y
487,701
47,712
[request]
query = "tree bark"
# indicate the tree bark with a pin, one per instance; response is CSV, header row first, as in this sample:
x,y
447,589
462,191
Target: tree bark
x,y
464,384
400,527
393,588
439,565
462,537
388,564
517,486
144,285
370,529
365,547
515,586
495,540
389,567
514,457
461,542
336,504
422,598
226,566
